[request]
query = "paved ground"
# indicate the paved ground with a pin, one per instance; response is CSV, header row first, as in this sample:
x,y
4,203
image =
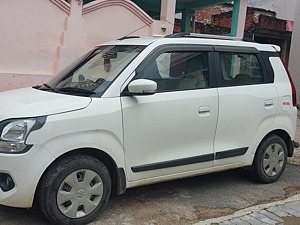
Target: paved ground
x,y
189,201
282,212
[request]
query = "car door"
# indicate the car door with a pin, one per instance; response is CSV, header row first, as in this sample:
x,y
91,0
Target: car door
x,y
248,104
172,131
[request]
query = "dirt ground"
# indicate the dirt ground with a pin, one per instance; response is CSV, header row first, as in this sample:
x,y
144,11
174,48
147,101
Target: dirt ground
x,y
291,220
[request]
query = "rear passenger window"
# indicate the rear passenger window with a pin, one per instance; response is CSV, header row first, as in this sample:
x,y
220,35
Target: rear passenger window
x,y
240,69
174,71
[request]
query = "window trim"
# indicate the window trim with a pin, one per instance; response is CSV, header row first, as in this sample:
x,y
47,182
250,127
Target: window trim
x,y
235,49
265,56
171,48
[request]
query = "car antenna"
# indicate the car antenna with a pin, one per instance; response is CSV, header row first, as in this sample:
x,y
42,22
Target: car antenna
x,y
127,35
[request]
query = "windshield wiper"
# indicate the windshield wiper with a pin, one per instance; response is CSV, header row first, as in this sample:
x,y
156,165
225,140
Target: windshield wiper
x,y
36,86
46,87
75,90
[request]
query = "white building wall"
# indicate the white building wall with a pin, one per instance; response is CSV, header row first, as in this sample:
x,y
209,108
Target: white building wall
x,y
295,52
285,9
263,4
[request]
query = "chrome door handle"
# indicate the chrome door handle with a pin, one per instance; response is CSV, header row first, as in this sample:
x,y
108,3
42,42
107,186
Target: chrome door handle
x,y
204,109
269,102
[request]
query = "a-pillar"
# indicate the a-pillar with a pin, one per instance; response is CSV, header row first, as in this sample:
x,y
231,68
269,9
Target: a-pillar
x,y
294,65
74,41
239,17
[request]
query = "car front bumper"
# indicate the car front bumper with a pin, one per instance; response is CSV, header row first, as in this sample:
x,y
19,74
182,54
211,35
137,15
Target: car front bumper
x,y
20,174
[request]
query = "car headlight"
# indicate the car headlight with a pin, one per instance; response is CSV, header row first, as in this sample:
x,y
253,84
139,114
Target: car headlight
x,y
15,131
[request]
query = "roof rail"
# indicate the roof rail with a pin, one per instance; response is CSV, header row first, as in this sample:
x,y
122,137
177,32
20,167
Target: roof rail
x,y
127,37
208,36
276,47
177,35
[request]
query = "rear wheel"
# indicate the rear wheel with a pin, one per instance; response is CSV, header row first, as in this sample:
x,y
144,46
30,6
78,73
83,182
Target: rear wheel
x,y
270,159
75,190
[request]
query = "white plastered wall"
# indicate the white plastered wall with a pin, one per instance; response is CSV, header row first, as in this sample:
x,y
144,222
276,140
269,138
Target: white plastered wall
x,y
294,64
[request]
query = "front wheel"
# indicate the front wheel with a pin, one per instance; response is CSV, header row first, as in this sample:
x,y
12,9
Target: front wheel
x,y
75,190
270,159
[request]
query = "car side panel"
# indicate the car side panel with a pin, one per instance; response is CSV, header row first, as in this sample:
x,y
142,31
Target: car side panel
x,y
167,128
99,126
287,114
243,112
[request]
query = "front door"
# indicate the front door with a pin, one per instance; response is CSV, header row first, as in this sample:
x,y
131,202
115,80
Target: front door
x,y
172,131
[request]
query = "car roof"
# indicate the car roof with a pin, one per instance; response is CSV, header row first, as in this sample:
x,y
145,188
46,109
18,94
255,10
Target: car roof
x,y
226,41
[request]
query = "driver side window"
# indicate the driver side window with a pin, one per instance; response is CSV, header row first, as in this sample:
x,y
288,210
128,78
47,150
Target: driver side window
x,y
175,71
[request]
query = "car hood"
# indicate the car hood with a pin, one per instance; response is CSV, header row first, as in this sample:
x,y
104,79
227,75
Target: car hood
x,y
30,102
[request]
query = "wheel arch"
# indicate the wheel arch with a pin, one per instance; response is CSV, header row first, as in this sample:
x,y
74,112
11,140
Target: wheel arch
x,y
118,176
286,138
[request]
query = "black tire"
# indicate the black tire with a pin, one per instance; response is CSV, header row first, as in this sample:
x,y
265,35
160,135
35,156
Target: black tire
x,y
83,175
270,159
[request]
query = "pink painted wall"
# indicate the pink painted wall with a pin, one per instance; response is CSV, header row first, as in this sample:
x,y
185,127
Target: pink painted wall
x,y
40,37
29,38
111,20
30,31
9,81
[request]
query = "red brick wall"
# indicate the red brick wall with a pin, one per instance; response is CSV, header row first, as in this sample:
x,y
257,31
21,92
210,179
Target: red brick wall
x,y
250,19
223,19
260,18
219,19
204,15
271,23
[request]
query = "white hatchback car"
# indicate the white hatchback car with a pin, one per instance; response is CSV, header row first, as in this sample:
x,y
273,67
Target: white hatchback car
x,y
142,110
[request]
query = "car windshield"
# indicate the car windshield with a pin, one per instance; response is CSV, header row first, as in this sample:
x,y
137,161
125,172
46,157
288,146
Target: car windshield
x,y
93,73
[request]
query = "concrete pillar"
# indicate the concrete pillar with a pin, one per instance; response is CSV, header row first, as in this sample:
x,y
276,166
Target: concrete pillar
x,y
239,18
167,16
74,41
167,10
294,65
186,21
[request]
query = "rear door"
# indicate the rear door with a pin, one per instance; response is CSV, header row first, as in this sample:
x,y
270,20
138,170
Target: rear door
x,y
248,103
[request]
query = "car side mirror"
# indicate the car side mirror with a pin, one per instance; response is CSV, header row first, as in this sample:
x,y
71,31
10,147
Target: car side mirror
x,y
142,87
